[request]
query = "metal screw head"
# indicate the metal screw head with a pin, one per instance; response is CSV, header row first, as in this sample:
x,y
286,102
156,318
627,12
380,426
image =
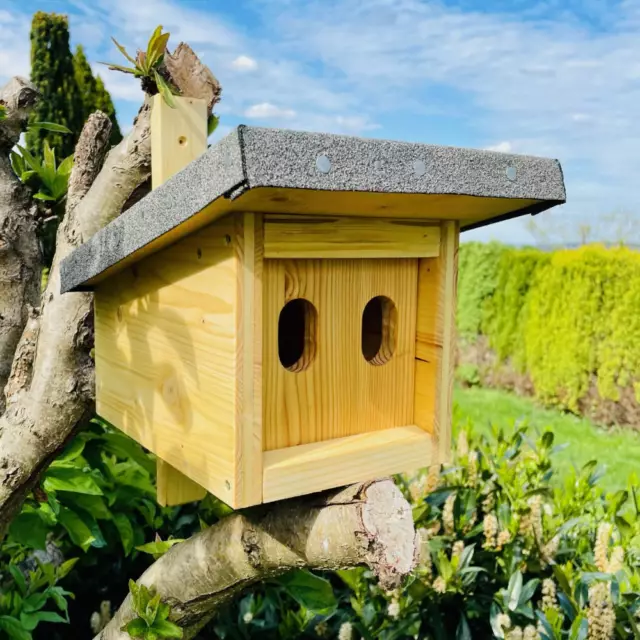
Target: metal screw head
x,y
511,173
419,167
323,164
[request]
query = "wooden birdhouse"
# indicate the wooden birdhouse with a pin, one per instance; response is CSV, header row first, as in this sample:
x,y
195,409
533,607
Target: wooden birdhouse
x,y
278,317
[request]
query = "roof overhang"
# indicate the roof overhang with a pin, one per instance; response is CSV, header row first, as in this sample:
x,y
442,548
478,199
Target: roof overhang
x,y
280,171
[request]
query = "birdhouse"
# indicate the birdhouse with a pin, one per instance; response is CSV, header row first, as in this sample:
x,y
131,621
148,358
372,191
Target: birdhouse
x,y
278,317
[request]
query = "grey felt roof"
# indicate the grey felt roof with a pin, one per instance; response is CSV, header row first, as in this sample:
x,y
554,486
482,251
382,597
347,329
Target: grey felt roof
x,y
252,158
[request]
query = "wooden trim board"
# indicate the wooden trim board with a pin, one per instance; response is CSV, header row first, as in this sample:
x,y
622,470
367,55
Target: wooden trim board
x,y
337,237
178,136
323,465
248,430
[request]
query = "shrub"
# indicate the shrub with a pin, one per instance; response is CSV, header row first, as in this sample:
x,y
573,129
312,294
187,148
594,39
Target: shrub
x,y
568,319
507,550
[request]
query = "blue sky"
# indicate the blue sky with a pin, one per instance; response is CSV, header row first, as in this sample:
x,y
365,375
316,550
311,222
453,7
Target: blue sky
x,y
559,78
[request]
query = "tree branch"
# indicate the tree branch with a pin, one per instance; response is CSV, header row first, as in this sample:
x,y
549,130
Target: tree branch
x,y
367,524
20,260
58,393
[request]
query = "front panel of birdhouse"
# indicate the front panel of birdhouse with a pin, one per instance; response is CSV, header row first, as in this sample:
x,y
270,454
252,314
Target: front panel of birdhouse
x,y
260,370
339,348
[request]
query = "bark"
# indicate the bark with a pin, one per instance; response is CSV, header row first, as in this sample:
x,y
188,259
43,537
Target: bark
x,y
368,524
52,389
19,249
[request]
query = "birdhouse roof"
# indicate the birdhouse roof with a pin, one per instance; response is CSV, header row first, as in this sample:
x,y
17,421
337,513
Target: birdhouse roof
x,y
280,171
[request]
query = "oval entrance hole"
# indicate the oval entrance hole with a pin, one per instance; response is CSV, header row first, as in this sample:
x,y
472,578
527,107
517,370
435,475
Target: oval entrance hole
x,y
297,334
379,321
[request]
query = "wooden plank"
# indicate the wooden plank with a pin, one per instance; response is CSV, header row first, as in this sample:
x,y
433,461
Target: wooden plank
x,y
322,465
174,487
332,237
340,393
178,136
448,295
248,454
435,339
166,355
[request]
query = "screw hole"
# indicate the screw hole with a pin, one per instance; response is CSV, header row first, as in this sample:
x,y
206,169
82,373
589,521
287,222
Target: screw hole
x,y
379,322
182,141
297,335
227,240
199,252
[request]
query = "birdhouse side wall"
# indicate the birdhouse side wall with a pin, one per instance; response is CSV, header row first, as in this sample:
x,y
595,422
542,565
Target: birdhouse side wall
x,y
168,357
435,341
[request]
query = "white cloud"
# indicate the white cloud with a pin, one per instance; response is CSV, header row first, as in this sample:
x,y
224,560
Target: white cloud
x,y
502,147
266,110
244,63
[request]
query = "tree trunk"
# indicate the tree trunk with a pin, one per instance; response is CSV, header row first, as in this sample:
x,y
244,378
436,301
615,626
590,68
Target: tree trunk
x,y
20,260
368,524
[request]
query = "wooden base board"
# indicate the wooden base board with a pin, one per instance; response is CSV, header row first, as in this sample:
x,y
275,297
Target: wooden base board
x,y
323,465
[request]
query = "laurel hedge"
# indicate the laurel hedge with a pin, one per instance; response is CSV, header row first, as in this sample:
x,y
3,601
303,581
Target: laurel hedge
x,y
568,319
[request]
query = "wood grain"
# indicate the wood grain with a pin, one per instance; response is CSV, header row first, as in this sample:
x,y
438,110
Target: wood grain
x,y
178,136
331,237
322,465
248,449
166,355
435,339
448,294
339,393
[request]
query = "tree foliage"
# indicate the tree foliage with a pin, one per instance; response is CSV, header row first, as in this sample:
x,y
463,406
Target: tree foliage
x,y
52,72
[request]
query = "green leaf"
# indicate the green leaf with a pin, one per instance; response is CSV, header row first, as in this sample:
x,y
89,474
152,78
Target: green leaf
x,y
579,628
137,628
30,160
124,447
49,126
547,439
17,164
123,524
164,89
495,627
66,166
123,51
72,451
14,628
311,591
212,123
158,548
463,632
514,590
44,196
351,577
35,601
528,590
157,48
78,531
29,529
136,604
71,479
151,610
117,67
95,505
66,566
40,616
19,578
166,629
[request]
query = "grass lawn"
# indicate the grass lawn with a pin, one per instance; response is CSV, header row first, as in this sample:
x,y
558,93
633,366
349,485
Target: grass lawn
x,y
616,449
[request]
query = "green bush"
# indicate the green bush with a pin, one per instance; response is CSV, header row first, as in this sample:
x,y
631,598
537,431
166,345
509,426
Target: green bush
x,y
507,551
567,318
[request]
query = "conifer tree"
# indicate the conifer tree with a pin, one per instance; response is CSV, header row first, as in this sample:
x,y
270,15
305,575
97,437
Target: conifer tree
x,y
52,71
